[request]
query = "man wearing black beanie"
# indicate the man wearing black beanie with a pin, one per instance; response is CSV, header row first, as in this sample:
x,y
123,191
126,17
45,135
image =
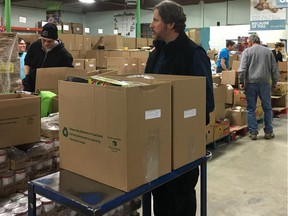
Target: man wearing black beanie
x,y
48,51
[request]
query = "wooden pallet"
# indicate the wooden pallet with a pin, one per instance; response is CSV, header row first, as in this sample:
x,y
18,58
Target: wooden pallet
x,y
236,131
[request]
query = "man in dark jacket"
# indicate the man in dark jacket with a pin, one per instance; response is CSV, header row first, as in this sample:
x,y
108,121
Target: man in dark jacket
x,y
174,53
48,51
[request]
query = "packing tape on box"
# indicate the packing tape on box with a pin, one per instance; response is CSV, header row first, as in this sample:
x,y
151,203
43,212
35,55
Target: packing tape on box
x,y
153,155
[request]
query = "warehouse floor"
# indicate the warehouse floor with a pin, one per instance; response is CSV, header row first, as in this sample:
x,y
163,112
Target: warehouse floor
x,y
249,178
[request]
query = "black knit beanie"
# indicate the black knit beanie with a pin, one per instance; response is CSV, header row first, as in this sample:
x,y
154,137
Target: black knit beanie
x,y
50,30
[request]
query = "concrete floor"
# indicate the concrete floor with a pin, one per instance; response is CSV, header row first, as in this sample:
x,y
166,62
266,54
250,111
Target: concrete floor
x,y
249,178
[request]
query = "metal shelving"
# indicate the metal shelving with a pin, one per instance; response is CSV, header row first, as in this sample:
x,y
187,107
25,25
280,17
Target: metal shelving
x,y
93,198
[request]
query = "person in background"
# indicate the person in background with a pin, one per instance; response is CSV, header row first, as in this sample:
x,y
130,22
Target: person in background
x,y
257,67
22,53
48,51
174,53
277,51
223,57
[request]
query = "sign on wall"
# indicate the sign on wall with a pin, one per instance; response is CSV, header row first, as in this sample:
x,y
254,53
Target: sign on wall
x,y
267,15
125,24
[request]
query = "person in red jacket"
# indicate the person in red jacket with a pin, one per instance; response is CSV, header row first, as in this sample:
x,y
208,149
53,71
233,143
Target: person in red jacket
x,y
48,51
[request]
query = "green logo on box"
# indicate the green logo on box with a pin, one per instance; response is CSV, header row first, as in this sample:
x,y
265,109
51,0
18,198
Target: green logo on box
x,y
65,132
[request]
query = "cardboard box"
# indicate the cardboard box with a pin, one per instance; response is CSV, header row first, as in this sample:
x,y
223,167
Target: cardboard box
x,y
219,110
229,77
236,117
87,42
47,78
188,118
229,94
216,79
139,54
79,63
66,28
221,129
68,40
90,64
121,135
141,42
119,53
282,66
240,99
233,58
283,76
235,65
113,42
219,93
79,42
19,114
209,134
77,28
129,42
281,101
281,89
123,65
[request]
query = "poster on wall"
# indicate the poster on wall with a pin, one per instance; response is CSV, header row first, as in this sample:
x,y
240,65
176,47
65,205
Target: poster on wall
x,y
125,24
267,15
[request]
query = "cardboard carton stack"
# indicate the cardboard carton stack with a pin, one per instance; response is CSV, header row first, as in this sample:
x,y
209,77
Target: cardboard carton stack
x,y
279,95
123,136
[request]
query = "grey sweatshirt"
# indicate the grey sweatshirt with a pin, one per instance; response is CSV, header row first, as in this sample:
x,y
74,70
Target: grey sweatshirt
x,y
258,65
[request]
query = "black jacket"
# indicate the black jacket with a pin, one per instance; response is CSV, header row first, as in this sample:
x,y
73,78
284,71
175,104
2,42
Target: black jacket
x,y
37,58
183,57
278,56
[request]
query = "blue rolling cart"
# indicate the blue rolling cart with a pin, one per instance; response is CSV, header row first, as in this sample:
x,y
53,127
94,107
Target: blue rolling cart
x,y
93,198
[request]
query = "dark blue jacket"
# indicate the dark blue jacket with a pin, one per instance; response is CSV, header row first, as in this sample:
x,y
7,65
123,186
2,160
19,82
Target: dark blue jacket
x,y
183,57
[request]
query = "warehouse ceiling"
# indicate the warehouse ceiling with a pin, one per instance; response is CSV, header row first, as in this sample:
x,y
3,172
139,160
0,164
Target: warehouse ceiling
x,y
100,5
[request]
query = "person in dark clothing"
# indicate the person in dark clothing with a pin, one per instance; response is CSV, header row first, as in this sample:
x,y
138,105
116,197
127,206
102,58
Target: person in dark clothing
x,y
174,53
48,51
277,52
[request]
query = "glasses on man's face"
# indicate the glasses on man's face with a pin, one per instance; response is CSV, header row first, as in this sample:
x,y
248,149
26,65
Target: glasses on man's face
x,y
47,41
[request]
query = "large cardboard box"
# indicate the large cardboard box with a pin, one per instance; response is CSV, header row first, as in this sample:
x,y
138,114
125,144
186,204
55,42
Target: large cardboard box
x,y
129,42
235,65
77,28
229,77
141,42
87,42
90,64
188,118
47,78
123,65
19,119
280,101
79,42
68,40
113,42
115,135
219,93
79,63
219,110
66,28
283,66
236,117
229,94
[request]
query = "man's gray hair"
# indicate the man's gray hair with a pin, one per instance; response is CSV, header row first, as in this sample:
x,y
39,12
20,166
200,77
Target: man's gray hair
x,y
254,39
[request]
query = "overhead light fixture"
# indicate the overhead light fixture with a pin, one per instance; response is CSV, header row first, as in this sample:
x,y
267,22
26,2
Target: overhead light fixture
x,y
87,1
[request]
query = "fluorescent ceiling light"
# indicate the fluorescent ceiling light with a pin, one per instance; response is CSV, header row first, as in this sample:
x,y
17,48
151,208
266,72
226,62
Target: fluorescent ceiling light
x,y
87,1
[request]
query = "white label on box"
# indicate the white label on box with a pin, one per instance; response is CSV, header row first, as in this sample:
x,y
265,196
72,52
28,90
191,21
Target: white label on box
x,y
152,114
91,65
77,64
66,27
189,113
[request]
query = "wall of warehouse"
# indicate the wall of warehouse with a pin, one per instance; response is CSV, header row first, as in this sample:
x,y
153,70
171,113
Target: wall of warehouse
x,y
233,16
